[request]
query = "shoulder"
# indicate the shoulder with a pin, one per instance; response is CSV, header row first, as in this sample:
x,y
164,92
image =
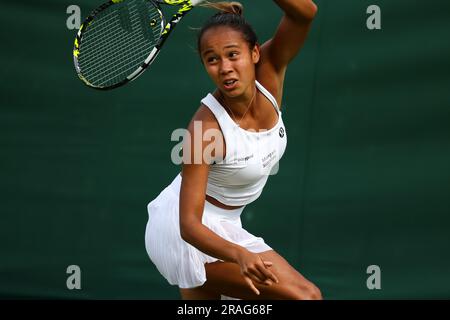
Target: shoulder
x,y
205,117
204,132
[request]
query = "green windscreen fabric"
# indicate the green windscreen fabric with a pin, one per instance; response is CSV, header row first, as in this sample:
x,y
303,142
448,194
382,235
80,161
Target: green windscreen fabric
x,y
364,181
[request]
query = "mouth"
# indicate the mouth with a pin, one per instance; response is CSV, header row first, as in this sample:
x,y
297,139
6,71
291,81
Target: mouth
x,y
230,84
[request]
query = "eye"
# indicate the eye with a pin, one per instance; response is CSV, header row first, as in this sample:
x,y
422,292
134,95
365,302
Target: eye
x,y
233,54
211,59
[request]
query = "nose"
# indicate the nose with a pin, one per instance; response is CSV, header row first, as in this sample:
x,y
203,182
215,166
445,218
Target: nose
x,y
225,66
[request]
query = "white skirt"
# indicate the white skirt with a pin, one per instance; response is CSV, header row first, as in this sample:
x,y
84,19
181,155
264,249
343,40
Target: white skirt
x,y
179,262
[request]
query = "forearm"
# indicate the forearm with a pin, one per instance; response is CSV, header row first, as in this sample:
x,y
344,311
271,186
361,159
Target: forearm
x,y
209,242
298,9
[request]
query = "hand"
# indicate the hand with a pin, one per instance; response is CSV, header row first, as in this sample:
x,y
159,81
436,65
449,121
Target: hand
x,y
255,270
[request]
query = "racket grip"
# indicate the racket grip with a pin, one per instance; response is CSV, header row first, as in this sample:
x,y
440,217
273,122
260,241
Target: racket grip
x,y
196,2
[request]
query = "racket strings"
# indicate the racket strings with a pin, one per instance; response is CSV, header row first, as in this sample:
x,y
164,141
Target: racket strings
x,y
110,50
100,41
117,42
113,50
97,36
118,58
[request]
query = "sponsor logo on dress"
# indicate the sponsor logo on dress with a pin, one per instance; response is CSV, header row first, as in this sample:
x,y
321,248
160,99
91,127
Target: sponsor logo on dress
x,y
246,158
267,160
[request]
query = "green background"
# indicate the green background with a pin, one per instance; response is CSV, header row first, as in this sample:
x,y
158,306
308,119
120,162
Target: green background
x,y
365,179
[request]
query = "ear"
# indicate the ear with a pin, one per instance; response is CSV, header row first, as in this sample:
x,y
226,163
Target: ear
x,y
256,53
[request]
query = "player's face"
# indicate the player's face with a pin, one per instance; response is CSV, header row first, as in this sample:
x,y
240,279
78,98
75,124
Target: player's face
x,y
229,61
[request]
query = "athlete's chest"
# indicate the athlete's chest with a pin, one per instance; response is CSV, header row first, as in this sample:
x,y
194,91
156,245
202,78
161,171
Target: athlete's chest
x,y
252,155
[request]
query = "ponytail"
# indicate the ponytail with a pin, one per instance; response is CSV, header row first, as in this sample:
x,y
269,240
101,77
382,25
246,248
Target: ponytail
x,y
230,15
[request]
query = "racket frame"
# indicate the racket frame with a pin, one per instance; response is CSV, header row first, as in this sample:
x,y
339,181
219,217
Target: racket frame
x,y
166,28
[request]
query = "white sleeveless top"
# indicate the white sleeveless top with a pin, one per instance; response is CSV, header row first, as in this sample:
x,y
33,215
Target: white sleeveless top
x,y
250,157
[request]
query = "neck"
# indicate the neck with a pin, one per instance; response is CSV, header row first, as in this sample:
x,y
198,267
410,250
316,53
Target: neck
x,y
240,105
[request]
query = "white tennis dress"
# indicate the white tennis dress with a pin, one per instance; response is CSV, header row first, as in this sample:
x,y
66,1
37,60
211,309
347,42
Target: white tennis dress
x,y
236,180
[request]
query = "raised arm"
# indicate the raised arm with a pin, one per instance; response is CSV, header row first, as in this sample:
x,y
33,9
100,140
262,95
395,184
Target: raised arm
x,y
288,39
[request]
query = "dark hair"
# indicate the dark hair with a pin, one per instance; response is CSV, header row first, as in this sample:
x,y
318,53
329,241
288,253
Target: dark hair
x,y
230,15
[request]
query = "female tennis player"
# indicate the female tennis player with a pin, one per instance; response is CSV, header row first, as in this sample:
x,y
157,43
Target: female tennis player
x,y
194,234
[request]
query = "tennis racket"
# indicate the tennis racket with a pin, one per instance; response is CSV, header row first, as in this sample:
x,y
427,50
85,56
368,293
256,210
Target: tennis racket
x,y
121,38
